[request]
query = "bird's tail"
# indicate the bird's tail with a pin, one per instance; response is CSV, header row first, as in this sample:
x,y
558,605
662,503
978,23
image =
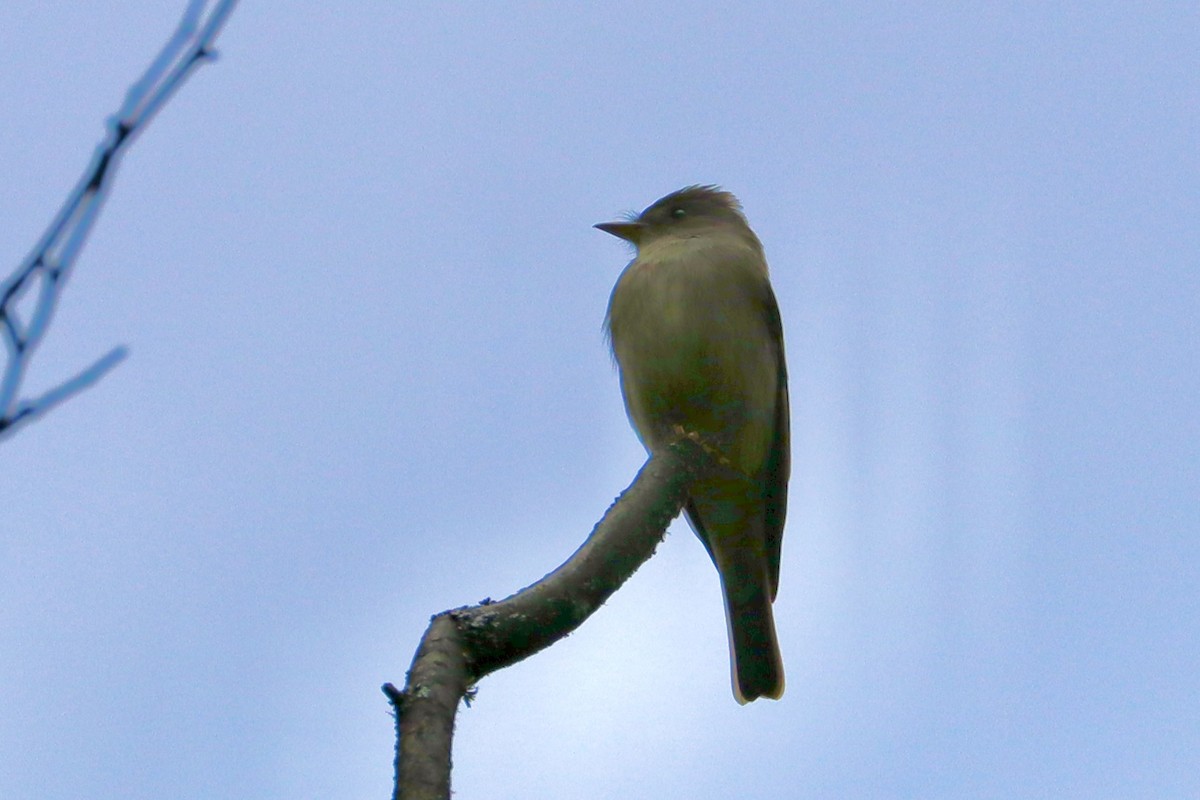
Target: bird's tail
x,y
753,647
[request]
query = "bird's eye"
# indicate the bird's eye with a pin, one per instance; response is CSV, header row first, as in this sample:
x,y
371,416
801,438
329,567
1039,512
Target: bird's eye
x,y
678,213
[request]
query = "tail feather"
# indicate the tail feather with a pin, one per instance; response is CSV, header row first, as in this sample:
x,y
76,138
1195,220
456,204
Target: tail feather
x,y
727,514
757,666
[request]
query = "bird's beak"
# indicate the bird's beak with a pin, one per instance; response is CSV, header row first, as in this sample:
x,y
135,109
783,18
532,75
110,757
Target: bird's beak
x,y
630,231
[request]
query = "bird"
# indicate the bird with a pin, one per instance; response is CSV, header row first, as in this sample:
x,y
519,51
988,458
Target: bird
x,y
696,335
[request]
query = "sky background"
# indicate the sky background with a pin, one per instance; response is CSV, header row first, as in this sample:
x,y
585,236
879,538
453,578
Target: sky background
x,y
354,265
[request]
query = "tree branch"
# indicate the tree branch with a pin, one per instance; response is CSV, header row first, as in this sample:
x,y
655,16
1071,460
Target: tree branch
x,y
49,264
464,644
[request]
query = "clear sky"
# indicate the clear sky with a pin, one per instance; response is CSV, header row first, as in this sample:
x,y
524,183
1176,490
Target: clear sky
x,y
354,265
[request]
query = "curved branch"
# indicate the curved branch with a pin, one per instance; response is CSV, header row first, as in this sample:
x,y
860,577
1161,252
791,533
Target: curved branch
x,y
464,644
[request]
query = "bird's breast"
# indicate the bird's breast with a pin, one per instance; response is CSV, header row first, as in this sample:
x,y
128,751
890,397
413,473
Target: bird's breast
x,y
694,348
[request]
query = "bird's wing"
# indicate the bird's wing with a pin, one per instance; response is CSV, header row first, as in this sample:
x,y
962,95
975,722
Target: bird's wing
x,y
778,466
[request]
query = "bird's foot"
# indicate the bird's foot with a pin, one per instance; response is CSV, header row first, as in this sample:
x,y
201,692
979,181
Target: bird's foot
x,y
713,453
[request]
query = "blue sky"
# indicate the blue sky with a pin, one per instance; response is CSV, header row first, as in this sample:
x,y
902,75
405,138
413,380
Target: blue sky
x,y
354,266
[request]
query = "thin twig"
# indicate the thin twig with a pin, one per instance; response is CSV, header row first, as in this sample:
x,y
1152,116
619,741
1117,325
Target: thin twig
x,y
49,264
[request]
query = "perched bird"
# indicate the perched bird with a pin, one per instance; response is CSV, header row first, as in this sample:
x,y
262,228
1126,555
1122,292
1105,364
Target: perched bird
x,y
696,335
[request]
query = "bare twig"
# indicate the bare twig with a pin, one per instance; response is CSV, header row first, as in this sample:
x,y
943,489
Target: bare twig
x,y
48,265
463,645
